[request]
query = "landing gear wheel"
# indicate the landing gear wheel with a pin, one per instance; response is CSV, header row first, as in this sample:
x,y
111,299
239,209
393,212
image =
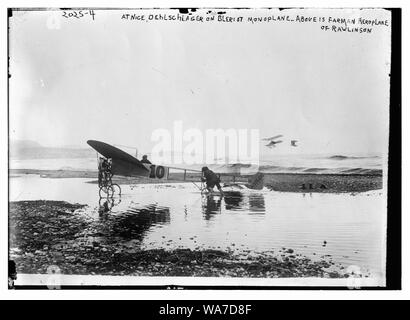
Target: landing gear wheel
x,y
106,191
116,189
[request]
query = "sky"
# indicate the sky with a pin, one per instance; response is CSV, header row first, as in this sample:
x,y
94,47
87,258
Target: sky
x,y
118,81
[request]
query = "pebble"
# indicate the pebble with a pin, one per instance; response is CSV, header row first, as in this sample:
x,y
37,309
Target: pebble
x,y
85,258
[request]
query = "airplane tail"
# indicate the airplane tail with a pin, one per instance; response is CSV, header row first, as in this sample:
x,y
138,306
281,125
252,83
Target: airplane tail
x,y
256,181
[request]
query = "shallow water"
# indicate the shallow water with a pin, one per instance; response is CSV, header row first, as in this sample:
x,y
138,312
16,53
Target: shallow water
x,y
176,215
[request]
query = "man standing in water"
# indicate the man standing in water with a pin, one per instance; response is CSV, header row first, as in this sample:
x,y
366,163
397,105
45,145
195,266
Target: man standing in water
x,y
211,179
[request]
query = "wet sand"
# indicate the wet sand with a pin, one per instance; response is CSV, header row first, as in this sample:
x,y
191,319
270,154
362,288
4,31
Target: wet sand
x,y
51,233
285,182
323,182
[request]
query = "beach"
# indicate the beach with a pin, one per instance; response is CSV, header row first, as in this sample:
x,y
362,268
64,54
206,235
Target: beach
x,y
47,233
159,228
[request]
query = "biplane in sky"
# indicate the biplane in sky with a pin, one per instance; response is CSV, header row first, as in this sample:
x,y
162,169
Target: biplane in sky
x,y
273,141
114,161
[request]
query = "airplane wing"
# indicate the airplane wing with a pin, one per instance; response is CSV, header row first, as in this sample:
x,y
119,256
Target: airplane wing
x,y
273,143
255,182
272,138
123,164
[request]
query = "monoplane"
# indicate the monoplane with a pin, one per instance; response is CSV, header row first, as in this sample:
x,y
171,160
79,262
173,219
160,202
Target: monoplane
x,y
114,161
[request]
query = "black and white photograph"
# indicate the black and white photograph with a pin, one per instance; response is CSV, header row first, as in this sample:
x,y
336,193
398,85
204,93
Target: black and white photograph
x,y
198,147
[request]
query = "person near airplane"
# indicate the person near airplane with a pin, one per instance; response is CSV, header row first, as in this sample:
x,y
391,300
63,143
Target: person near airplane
x,y
211,179
145,159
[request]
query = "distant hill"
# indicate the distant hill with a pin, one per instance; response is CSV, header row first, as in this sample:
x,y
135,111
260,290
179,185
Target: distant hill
x,y
28,149
25,144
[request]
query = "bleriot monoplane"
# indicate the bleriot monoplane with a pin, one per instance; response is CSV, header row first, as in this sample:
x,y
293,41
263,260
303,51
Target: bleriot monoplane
x,y
113,161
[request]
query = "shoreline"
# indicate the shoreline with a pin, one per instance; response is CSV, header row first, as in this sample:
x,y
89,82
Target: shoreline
x,y
283,182
46,234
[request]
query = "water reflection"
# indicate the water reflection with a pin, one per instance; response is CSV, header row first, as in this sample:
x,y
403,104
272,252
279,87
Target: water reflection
x,y
133,223
256,203
105,205
234,201
211,205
